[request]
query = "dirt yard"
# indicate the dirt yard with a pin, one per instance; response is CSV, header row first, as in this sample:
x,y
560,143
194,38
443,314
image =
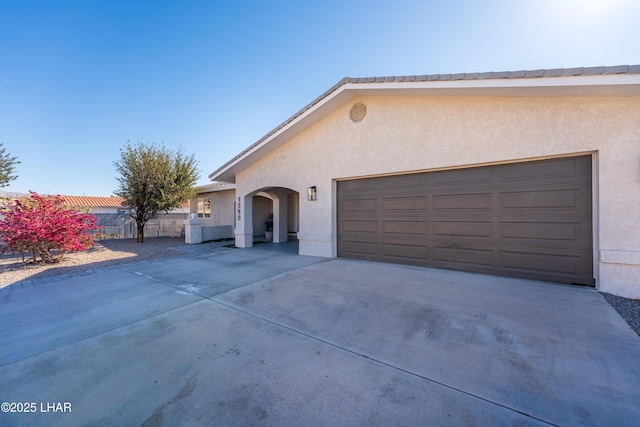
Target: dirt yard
x,y
106,253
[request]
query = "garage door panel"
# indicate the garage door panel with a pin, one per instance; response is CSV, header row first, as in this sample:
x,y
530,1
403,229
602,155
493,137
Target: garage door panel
x,y
462,176
358,185
404,182
539,200
462,258
368,227
360,205
360,237
540,231
409,228
552,234
548,170
531,220
390,204
405,239
545,262
414,254
462,229
556,266
360,250
465,202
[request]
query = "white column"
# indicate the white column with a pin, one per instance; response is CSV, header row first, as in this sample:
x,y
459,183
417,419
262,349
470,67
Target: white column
x,y
193,231
280,221
244,221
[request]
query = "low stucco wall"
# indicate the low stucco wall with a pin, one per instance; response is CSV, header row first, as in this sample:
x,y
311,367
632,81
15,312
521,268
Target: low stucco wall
x,y
216,232
410,134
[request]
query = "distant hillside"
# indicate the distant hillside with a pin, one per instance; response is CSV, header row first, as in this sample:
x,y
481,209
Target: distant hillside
x,y
12,194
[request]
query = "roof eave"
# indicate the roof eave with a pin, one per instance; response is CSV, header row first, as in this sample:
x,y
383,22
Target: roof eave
x,y
594,85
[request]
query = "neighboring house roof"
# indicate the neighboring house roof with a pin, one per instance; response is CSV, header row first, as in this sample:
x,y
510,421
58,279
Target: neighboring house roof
x,y
95,202
623,80
102,202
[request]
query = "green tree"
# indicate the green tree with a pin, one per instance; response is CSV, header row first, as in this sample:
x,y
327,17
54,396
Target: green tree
x,y
154,179
7,165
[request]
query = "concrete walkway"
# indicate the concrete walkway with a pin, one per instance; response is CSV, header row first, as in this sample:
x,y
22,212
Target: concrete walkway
x,y
264,337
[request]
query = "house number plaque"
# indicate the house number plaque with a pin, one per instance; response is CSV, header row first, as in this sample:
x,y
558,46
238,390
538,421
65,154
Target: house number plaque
x,y
239,210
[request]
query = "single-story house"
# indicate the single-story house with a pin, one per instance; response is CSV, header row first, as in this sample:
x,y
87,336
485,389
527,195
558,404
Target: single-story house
x,y
531,174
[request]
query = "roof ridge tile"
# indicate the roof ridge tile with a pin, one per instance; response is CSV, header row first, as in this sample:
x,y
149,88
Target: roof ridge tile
x,y
541,72
573,71
590,71
553,72
616,69
534,73
501,75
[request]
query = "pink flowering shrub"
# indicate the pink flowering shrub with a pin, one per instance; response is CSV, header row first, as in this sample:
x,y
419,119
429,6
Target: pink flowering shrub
x,y
42,225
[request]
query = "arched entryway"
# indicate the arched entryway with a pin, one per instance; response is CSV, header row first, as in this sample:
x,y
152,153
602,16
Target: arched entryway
x,y
274,209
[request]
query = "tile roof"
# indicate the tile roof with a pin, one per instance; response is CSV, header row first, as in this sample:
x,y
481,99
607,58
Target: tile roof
x,y
94,202
522,74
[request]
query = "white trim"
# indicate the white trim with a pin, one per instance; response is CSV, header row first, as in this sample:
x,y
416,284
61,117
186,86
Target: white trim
x,y
608,85
595,216
334,218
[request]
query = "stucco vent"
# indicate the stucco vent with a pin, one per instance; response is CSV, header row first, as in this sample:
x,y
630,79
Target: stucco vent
x,y
358,112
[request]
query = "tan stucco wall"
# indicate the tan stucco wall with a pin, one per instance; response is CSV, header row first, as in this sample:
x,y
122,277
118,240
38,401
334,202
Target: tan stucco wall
x,y
402,134
221,223
221,207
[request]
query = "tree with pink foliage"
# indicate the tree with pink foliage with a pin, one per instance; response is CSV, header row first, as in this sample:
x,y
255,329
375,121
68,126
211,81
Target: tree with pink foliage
x,y
42,225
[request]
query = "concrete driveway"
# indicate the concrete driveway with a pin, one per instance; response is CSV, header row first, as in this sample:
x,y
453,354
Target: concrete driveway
x,y
262,337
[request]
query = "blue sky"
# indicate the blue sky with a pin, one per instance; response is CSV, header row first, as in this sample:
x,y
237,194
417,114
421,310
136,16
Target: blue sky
x,y
78,79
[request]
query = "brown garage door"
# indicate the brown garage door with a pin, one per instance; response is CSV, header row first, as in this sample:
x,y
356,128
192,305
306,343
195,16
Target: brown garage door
x,y
530,220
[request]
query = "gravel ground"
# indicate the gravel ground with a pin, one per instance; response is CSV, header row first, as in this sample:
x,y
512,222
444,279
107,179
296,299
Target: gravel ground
x,y
106,253
629,309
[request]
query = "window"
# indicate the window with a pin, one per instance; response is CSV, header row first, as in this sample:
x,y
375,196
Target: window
x,y
204,207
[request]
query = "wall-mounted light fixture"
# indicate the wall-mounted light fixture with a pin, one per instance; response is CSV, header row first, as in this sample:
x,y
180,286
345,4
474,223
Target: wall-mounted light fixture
x,y
311,193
